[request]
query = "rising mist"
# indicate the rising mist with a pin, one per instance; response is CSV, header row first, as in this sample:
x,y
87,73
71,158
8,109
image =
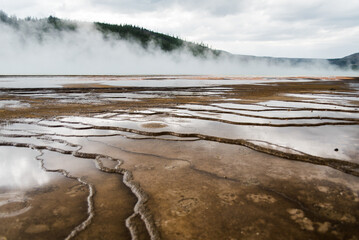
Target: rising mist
x,y
31,46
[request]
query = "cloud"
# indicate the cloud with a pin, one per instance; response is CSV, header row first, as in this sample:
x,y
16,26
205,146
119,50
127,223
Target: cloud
x,y
318,28
218,8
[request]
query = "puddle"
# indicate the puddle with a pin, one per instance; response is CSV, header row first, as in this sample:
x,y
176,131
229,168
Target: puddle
x,y
304,114
326,98
12,104
50,130
254,119
19,169
304,105
244,106
303,139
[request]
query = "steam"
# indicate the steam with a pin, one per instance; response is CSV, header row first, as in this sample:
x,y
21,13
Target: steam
x,y
37,47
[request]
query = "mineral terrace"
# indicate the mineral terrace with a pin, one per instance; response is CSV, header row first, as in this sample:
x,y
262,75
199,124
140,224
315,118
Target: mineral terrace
x,y
179,157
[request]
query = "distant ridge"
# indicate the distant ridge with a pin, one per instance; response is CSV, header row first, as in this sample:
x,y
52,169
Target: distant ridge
x,y
145,37
166,43
351,61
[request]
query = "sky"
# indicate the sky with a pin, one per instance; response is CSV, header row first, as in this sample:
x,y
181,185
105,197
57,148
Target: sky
x,y
278,28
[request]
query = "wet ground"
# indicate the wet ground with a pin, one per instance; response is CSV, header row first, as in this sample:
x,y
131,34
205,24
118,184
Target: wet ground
x,y
179,157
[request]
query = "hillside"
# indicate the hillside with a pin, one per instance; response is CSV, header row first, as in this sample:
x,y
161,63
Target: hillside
x,y
125,32
149,39
351,61
145,37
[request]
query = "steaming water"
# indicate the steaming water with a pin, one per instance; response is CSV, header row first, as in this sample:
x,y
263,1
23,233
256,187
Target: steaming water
x,y
177,82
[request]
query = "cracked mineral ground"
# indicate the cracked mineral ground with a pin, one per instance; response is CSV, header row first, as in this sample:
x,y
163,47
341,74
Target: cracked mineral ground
x,y
179,157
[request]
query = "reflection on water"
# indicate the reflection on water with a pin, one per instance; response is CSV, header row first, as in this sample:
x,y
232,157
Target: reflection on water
x,y
20,169
194,147
12,104
303,139
287,104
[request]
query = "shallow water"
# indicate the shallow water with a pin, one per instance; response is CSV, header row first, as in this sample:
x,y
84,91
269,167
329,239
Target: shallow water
x,y
170,82
178,157
20,170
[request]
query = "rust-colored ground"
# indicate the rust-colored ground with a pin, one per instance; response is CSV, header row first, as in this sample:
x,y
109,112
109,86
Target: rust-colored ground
x,y
232,161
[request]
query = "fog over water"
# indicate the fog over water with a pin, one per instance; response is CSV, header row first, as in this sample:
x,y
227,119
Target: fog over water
x,y
27,49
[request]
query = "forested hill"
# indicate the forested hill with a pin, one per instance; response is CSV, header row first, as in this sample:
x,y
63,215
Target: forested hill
x,y
145,37
351,61
132,33
153,40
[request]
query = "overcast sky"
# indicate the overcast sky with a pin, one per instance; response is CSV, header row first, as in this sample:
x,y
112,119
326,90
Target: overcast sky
x,y
281,28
